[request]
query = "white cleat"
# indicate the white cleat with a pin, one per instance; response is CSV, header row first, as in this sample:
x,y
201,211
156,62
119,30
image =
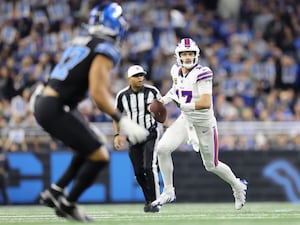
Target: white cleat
x,y
167,196
240,193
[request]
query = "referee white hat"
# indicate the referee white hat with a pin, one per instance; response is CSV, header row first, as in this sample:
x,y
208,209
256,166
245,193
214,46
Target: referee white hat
x,y
134,70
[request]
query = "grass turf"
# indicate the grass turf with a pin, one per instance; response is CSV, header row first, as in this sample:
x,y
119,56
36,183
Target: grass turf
x,y
170,214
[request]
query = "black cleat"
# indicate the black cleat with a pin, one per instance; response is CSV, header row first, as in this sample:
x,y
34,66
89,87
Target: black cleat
x,y
60,214
71,211
50,198
152,209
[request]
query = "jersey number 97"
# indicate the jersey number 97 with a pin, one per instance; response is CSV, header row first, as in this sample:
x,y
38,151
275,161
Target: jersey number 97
x,y
70,58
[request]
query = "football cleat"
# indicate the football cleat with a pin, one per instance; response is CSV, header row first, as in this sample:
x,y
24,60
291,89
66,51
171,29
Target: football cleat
x,y
71,211
50,198
152,209
168,196
240,193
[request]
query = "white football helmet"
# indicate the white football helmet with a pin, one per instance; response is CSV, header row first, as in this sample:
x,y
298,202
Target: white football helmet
x,y
187,45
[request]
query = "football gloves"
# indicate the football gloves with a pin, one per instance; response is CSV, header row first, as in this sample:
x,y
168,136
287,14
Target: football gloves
x,y
135,133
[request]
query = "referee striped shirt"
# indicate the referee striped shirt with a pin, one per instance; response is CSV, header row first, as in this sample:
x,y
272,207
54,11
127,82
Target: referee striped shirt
x,y
135,104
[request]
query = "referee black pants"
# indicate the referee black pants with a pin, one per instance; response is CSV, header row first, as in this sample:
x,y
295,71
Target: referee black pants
x,y
144,162
3,189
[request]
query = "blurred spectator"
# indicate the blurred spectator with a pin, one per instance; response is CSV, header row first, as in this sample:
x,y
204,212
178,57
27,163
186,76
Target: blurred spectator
x,y
244,143
227,142
7,89
261,142
16,135
288,74
282,142
229,9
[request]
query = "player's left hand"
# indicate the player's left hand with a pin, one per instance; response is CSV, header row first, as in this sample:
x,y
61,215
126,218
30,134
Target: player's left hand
x,y
119,142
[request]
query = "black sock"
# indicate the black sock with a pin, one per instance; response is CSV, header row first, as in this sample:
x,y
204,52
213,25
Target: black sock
x,y
85,178
71,172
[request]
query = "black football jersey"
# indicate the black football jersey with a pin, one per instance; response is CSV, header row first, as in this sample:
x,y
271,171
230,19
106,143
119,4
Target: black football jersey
x,y
70,76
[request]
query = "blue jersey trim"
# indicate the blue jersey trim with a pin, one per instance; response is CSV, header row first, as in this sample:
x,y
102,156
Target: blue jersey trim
x,y
110,51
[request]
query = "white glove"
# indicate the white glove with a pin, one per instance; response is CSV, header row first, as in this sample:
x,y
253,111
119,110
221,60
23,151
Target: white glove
x,y
135,133
187,107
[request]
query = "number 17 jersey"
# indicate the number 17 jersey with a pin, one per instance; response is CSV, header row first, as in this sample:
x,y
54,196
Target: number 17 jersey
x,y
189,88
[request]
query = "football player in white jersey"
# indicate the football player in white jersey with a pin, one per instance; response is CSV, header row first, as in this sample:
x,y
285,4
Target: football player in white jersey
x,y
192,91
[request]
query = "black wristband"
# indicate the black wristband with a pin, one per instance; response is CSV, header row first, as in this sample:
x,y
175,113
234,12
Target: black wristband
x,y
117,116
117,134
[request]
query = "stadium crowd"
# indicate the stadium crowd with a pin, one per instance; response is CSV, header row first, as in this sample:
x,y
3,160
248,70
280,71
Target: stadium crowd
x,y
253,47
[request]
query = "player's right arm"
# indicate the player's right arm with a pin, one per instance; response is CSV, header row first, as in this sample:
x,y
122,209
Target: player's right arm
x,y
171,94
99,83
119,140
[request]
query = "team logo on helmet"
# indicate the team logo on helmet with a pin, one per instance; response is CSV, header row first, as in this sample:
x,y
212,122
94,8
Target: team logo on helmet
x,y
106,20
187,45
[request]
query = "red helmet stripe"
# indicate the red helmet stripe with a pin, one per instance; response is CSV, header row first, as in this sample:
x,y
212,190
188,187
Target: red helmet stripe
x,y
187,42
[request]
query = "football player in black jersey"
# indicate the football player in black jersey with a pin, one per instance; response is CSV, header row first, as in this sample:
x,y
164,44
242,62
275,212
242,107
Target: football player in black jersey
x,y
84,68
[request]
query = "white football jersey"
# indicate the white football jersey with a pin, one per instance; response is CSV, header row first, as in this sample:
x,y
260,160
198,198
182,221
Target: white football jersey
x,y
189,87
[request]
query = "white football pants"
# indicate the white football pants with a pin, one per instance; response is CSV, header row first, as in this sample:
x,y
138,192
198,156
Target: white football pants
x,y
176,135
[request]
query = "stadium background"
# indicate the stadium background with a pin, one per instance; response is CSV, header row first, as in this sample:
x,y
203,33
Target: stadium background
x,y
253,48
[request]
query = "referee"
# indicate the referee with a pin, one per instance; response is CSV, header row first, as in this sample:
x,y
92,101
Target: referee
x,y
134,100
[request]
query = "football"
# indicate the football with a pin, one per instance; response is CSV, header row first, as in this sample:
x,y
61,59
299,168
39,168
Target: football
x,y
158,110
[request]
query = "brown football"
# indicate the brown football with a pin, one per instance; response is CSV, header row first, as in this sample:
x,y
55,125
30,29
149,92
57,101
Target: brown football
x,y
158,111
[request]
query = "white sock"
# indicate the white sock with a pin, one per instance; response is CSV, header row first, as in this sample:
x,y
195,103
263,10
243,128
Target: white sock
x,y
56,188
166,169
224,172
66,202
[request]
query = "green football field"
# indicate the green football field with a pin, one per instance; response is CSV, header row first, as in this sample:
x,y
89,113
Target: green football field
x,y
170,214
